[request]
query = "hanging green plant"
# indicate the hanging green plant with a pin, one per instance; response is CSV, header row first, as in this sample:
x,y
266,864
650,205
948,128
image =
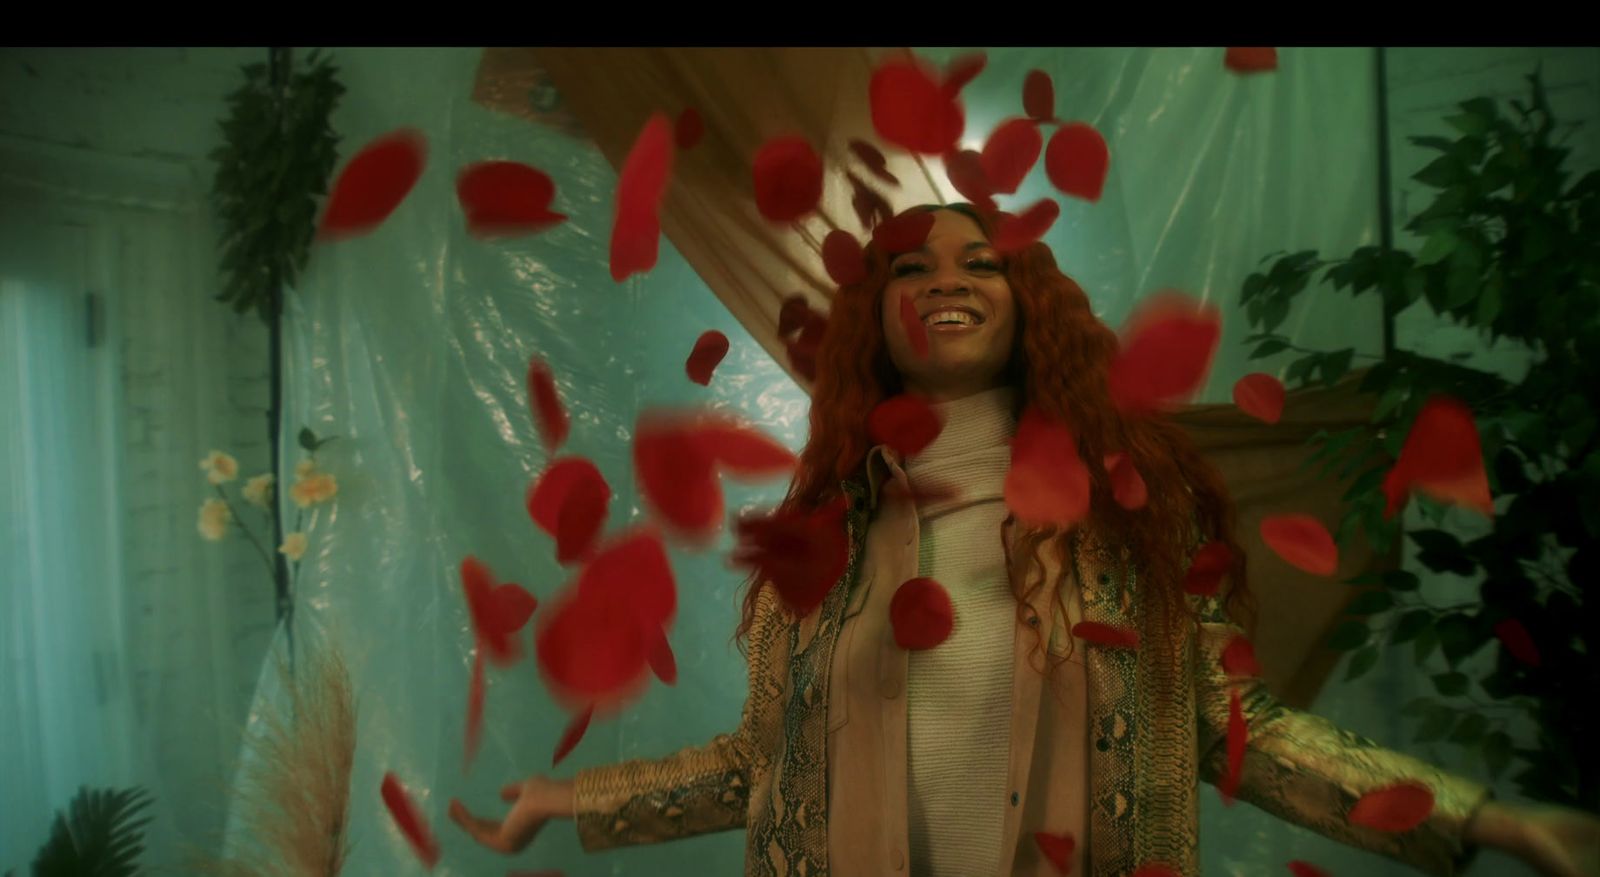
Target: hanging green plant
x,y
101,832
279,152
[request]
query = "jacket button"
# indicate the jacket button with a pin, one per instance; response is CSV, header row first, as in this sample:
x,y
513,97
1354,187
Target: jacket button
x,y
889,688
898,860
1033,621
1015,798
1102,744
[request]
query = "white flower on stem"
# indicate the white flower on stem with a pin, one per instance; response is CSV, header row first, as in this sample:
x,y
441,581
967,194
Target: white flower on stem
x,y
214,519
258,490
293,547
219,467
318,487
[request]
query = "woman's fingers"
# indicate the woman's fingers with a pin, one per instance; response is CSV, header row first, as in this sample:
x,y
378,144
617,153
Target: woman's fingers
x,y
484,831
511,792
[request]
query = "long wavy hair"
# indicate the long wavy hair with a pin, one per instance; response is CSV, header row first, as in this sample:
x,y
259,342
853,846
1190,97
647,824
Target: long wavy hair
x,y
1059,366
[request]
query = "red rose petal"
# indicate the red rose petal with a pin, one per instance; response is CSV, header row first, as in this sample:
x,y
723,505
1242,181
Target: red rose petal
x,y
592,649
475,708
1239,658
580,519
409,820
1207,567
965,171
1303,542
1039,96
793,315
491,618
689,129
548,495
513,606
842,257
1077,160
803,554
677,476
1057,848
803,349
788,179
548,413
962,71
874,160
741,450
1306,869
1010,153
1238,737
1260,395
504,198
1127,485
1165,354
709,349
872,209
903,233
572,735
1442,457
906,423
1106,635
921,614
662,662
1013,233
1515,638
633,571
911,110
1396,808
1047,484
1251,59
636,232
916,332
373,184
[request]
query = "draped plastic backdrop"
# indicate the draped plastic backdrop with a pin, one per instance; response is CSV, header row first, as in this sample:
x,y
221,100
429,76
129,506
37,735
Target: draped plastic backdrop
x,y
412,344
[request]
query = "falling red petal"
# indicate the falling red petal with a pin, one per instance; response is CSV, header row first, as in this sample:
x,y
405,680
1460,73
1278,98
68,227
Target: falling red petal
x,y
373,184
916,332
1206,569
793,314
1106,635
1057,848
513,606
662,662
689,129
548,495
1048,483
803,349
636,232
1251,59
572,735
843,258
475,708
740,449
495,634
549,415
788,179
1165,354
1239,658
872,209
1013,233
962,71
709,349
921,614
634,571
906,423
1127,485
592,649
1039,96
1303,542
873,158
1077,160
1443,458
911,110
506,198
1515,638
580,519
1394,809
964,169
903,233
1238,737
1261,396
1010,153
677,476
803,554
1306,869
409,820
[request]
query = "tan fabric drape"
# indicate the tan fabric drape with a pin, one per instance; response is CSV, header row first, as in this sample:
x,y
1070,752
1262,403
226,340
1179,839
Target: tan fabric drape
x,y
749,95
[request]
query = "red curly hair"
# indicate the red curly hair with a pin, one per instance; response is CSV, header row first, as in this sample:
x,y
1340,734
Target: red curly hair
x,y
1059,366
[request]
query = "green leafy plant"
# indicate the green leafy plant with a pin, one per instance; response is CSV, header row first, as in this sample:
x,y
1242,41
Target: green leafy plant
x,y
1511,250
100,833
278,154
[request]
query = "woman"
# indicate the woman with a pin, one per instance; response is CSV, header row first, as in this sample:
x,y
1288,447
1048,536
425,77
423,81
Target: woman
x,y
857,757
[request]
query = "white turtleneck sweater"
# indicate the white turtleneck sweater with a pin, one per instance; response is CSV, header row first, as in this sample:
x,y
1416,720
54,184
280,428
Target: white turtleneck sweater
x,y
959,693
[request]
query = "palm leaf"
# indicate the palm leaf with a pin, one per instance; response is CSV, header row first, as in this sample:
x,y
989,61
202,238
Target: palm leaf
x,y
98,836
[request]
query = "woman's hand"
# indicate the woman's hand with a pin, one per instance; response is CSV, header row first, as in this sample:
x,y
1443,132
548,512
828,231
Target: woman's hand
x,y
534,801
1558,841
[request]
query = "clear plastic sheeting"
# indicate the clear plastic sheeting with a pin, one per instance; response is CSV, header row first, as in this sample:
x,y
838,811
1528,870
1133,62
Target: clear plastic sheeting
x,y
412,345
